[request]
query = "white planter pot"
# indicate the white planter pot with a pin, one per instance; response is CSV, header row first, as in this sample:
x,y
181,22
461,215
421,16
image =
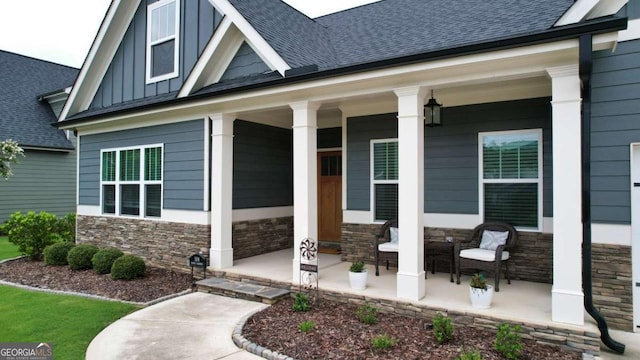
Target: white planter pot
x,y
481,299
358,280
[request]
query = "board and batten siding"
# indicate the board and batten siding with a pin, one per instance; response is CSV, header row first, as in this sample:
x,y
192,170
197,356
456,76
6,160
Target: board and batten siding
x,y
262,166
615,124
125,79
451,152
183,165
42,181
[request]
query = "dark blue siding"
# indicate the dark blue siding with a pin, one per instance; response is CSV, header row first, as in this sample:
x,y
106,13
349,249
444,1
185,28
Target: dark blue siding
x,y
451,152
183,161
125,79
262,166
615,125
246,62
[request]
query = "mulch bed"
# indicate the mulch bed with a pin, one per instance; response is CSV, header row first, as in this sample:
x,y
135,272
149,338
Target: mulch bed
x,y
155,284
339,335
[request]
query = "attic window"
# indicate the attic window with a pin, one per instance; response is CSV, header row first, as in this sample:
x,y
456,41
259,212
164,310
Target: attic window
x,y
163,20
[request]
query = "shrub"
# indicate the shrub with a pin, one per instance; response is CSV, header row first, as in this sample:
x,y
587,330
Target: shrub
x,y
56,254
301,303
32,232
307,326
104,258
508,341
478,281
128,267
367,314
442,328
80,256
470,354
67,227
383,342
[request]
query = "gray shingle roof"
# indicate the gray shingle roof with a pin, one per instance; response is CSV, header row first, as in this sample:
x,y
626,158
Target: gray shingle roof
x,y
23,118
394,28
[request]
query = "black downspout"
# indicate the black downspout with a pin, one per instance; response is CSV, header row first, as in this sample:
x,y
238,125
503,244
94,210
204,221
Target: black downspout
x,y
586,65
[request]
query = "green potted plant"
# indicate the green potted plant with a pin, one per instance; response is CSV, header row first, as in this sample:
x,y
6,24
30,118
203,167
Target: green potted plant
x,y
480,292
358,275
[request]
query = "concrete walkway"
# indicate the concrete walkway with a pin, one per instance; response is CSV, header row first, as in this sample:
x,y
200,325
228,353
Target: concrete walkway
x,y
194,326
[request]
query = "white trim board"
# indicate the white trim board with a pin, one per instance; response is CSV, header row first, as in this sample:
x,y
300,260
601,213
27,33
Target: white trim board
x,y
168,215
262,213
254,39
632,32
611,234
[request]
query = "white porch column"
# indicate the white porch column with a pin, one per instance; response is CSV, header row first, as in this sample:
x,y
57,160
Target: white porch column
x,y
410,278
221,190
567,296
305,187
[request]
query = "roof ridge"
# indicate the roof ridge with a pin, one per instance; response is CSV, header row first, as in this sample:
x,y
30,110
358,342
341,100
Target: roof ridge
x,y
41,60
349,9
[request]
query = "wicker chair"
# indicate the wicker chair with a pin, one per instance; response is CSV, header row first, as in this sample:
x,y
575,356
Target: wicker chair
x,y
473,257
386,253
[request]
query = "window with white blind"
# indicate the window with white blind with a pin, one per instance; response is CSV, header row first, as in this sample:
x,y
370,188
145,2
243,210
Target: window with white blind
x,y
384,179
130,177
511,178
163,26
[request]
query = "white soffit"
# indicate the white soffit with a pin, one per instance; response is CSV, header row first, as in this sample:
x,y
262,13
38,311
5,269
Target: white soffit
x,y
253,38
110,34
590,9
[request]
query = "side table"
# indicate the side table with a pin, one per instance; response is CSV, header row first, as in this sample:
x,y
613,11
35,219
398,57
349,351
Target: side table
x,y
439,251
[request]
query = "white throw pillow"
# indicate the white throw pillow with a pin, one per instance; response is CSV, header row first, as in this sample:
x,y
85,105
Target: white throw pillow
x,y
394,235
492,239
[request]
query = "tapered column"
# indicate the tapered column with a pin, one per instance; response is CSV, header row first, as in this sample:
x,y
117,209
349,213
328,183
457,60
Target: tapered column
x,y
410,278
221,190
567,296
305,187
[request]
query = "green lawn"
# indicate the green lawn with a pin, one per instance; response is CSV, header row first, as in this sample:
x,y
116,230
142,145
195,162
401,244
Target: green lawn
x,y
7,249
68,322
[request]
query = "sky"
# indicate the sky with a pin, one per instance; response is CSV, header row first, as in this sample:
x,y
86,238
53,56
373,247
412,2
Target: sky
x,y
62,31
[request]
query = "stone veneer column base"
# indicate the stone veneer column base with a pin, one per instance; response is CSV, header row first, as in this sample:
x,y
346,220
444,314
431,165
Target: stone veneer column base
x,y
613,284
162,244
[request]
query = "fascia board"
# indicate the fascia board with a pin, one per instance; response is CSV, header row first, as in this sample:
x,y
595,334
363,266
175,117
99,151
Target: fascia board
x,y
254,39
105,45
590,9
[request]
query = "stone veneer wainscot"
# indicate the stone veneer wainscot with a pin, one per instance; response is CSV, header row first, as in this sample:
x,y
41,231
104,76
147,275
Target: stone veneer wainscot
x,y
159,243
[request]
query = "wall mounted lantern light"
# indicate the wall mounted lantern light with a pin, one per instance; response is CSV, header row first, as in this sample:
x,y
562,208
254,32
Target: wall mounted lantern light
x,y
432,114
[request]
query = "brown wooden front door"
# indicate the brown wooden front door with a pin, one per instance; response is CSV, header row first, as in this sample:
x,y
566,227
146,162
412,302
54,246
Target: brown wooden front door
x,y
329,195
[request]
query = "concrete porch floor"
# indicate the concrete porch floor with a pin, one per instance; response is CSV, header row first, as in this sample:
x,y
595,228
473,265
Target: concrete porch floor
x,y
521,301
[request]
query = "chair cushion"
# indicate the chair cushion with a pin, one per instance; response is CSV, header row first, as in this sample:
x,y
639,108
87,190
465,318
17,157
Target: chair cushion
x,y
482,254
394,235
388,247
492,239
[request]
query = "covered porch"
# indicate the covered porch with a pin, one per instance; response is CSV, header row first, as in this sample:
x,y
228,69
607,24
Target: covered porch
x,y
541,71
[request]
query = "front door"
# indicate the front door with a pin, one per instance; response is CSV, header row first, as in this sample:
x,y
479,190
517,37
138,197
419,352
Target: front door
x,y
329,196
635,229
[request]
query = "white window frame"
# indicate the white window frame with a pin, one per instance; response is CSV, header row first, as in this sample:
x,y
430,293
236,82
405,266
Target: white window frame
x,y
175,37
373,182
141,182
539,180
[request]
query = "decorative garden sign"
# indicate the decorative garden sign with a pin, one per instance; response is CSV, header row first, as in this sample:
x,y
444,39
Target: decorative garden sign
x,y
309,265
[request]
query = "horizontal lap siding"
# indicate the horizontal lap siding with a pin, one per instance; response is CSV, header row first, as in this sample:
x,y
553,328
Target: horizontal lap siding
x,y
615,118
451,152
183,161
42,181
262,166
125,79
